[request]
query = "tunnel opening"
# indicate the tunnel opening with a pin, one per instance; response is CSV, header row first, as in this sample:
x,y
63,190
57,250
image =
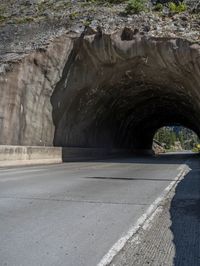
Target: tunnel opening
x,y
175,138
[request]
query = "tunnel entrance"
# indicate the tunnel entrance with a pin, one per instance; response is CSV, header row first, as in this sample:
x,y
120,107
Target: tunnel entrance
x,y
117,93
126,115
175,139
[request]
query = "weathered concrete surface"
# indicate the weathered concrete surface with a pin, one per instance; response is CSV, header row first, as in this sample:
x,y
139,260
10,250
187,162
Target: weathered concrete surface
x,y
100,90
172,237
21,155
71,214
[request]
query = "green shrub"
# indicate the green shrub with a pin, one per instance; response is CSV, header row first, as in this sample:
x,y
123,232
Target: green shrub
x,y
73,15
158,7
177,8
182,7
2,18
23,20
195,149
135,6
106,1
2,9
172,7
115,1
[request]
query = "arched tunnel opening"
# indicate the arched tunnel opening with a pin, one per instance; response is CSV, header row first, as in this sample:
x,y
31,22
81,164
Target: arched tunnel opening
x,y
175,138
117,93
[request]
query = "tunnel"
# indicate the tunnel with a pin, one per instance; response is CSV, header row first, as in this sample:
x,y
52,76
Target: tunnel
x,y
117,90
101,90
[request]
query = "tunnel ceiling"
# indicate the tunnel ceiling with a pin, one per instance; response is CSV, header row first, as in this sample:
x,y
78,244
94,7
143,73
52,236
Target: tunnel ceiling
x,y
117,90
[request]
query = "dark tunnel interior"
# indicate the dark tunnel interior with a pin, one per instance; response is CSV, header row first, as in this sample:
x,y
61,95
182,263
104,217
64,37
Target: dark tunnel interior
x,y
132,122
126,117
118,93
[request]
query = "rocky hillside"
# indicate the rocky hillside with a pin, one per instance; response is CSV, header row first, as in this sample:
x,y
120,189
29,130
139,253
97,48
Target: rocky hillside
x,y
28,24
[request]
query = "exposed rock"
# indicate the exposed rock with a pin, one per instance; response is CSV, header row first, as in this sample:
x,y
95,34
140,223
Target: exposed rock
x,y
100,90
157,147
177,146
27,84
26,25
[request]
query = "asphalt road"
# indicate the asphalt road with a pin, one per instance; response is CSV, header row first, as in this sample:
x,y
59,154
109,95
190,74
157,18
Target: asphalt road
x,y
71,214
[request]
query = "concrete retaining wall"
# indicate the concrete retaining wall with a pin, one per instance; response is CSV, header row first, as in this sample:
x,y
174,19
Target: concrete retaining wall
x,y
29,155
23,155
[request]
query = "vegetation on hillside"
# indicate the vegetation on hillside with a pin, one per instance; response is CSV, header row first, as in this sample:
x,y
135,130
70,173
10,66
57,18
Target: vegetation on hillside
x,y
177,138
26,11
135,6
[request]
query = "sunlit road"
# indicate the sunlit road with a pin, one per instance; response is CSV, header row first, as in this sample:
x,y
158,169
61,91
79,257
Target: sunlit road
x,y
71,214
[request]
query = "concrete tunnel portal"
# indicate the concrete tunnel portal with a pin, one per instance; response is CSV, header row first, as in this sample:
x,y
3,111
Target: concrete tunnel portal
x,y
101,90
117,92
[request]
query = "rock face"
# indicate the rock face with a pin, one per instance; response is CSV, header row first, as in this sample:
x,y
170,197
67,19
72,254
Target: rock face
x,y
100,90
26,86
157,147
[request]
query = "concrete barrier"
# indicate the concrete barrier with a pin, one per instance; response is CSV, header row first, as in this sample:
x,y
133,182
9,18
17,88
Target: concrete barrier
x,y
23,155
29,155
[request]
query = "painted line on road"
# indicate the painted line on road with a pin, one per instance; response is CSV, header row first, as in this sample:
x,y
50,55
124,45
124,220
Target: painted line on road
x,y
63,166
21,171
17,169
143,221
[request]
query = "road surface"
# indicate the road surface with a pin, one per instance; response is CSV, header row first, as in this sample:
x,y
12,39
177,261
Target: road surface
x,y
172,237
71,214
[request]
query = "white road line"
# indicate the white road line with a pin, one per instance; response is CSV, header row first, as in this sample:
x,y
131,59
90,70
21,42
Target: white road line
x,y
63,166
20,171
144,220
14,169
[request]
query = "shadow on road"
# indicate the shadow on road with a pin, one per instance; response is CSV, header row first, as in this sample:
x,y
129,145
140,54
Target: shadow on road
x,y
88,155
185,218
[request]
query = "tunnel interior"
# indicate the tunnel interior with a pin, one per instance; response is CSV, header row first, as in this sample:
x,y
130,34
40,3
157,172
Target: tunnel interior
x,y
128,117
130,122
118,95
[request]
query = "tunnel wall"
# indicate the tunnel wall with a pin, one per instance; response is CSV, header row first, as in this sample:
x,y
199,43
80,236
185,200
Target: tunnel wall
x,y
100,91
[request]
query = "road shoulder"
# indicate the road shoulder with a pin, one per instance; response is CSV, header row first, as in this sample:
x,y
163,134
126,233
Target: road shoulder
x,y
171,234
